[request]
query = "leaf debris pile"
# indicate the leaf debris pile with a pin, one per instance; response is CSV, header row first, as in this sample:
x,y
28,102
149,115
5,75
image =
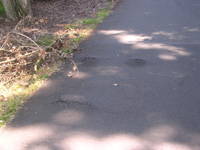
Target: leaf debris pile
x,y
27,47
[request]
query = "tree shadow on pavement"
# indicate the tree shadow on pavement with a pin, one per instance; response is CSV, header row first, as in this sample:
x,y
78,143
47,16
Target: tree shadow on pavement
x,y
136,90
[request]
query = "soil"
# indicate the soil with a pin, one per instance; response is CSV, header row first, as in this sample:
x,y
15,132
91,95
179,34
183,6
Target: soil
x,y
58,13
66,11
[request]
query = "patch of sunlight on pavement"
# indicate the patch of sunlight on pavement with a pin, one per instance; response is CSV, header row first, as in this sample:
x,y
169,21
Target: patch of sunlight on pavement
x,y
131,38
40,148
111,32
108,70
81,75
160,137
169,35
156,138
160,46
138,42
124,37
17,139
84,141
167,57
172,51
191,29
77,74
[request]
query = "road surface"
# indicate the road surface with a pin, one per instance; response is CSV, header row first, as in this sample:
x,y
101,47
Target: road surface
x,y
138,86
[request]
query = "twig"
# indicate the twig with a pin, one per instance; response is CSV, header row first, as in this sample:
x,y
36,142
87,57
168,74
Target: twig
x,y
28,38
67,57
13,59
7,37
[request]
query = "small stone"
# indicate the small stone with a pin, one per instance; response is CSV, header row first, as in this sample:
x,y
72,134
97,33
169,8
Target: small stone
x,y
70,74
115,84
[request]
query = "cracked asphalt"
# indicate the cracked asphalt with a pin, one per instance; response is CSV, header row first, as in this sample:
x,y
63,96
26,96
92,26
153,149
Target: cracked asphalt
x,y
138,86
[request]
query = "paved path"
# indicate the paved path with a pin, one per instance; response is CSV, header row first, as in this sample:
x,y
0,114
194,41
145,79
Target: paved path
x,y
138,86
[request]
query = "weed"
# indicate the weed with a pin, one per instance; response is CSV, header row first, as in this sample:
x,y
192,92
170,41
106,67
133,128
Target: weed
x,y
8,108
46,40
78,39
20,93
90,21
110,2
71,26
103,13
100,16
43,77
68,51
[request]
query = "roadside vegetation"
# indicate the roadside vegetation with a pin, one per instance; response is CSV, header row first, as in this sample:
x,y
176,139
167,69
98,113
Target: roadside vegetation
x,y
2,11
29,55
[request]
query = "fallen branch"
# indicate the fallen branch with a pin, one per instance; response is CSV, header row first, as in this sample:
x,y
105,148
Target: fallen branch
x,y
21,55
28,39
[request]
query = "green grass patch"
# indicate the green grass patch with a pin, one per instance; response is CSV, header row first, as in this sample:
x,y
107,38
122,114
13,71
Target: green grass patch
x,y
71,26
103,13
2,11
78,39
9,108
86,10
110,2
46,40
21,92
91,21
100,16
43,77
68,51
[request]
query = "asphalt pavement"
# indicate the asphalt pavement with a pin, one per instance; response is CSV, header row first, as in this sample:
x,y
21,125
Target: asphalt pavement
x,y
138,86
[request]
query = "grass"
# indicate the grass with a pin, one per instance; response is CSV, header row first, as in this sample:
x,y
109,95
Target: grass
x,y
110,2
21,92
9,108
86,10
71,26
2,11
68,50
91,21
46,40
100,16
78,39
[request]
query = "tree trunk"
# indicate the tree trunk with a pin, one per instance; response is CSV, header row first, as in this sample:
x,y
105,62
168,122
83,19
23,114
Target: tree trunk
x,y
16,9
23,8
10,10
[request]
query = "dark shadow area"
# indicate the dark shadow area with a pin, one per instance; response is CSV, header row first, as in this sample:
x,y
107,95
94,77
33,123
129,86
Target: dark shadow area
x,y
137,87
